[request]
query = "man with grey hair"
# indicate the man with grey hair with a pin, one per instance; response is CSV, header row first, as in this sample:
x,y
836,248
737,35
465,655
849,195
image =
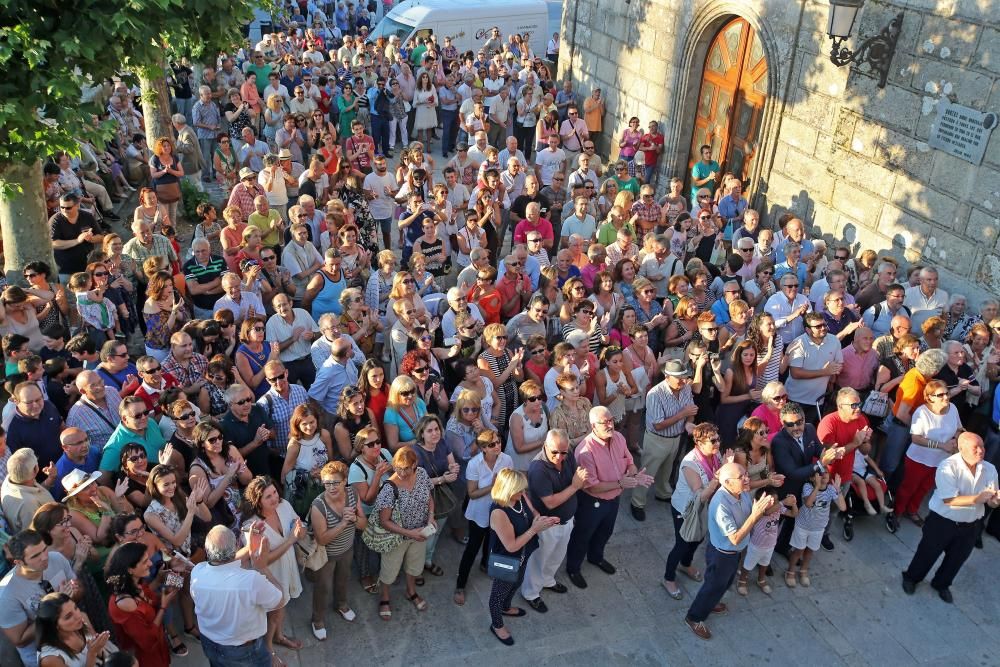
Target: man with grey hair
x,y
458,303
479,259
189,151
533,321
232,602
241,304
249,428
885,276
610,469
926,299
96,413
909,396
203,277
207,121
322,347
553,482
20,494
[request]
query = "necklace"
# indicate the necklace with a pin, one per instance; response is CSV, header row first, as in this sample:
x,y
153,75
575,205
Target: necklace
x,y
519,508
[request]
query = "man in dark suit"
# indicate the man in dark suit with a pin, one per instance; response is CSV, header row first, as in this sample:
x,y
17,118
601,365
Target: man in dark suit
x,y
798,455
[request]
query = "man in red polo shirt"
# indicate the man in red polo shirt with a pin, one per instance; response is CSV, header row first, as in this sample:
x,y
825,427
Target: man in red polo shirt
x,y
847,428
534,222
514,288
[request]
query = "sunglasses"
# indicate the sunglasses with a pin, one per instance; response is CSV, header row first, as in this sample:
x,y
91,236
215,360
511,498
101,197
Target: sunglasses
x,y
470,410
153,370
857,404
277,378
135,458
408,393
214,439
532,399
421,370
184,417
797,422
29,276
141,415
243,401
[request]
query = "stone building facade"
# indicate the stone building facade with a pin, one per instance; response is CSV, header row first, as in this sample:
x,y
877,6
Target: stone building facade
x,y
850,158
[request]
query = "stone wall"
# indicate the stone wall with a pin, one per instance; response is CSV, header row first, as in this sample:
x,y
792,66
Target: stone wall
x,y
850,158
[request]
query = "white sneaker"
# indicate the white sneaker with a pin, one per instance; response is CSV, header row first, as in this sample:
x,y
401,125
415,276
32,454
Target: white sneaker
x,y
348,614
871,510
318,633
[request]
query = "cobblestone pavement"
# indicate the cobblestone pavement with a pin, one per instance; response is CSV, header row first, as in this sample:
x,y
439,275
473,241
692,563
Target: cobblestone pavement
x,y
855,613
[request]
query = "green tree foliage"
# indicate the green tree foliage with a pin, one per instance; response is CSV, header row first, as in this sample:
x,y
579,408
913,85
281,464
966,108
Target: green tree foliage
x,y
51,49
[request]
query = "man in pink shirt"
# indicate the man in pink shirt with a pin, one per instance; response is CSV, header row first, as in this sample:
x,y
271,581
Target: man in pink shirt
x,y
610,470
860,362
534,222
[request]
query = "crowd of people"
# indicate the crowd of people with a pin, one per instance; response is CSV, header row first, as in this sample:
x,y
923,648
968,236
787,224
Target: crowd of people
x,y
350,359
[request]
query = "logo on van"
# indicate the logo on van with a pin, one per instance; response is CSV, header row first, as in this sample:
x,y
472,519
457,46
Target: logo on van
x,y
482,32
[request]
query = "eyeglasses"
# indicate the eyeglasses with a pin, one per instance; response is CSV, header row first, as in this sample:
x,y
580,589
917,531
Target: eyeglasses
x,y
408,393
857,405
421,370
140,415
741,477
214,439
184,417
781,399
532,399
797,422
332,483
151,371
85,441
940,395
243,401
277,378
135,458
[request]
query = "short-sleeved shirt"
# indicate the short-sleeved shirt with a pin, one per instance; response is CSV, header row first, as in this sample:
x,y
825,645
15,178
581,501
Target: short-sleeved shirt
x,y
19,598
816,517
202,275
911,391
268,236
726,515
701,170
478,509
242,433
152,441
833,431
393,416
362,472
71,260
603,462
544,480
933,427
804,353
661,403
953,478
414,504
765,532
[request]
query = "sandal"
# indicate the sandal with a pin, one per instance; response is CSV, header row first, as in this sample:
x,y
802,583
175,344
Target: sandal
x,y
695,576
804,578
179,649
741,586
790,580
287,642
434,569
371,586
193,632
418,602
384,610
459,597
677,595
419,581
764,585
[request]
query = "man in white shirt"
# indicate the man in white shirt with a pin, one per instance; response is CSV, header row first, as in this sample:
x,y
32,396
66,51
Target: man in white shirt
x,y
382,186
581,222
510,151
814,358
499,113
549,161
477,152
574,132
787,306
241,304
275,87
964,485
232,602
925,300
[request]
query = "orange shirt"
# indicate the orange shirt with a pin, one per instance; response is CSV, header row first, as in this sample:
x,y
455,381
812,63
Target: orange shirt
x,y
910,391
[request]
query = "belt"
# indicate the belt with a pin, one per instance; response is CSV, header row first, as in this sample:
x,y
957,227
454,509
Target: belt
x,y
659,435
723,551
957,524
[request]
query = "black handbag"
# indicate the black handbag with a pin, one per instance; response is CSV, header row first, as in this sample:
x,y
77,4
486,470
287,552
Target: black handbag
x,y
504,567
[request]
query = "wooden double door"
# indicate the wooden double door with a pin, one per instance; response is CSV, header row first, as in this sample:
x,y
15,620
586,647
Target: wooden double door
x,y
731,100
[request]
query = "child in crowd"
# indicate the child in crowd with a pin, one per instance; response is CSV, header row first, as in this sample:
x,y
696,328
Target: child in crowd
x,y
867,474
15,348
54,347
763,539
97,313
817,496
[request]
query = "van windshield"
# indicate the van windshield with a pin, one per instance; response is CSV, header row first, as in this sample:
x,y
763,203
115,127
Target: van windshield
x,y
389,26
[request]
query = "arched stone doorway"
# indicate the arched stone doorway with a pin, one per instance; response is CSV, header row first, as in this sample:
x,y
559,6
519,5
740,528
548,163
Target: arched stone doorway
x,y
731,100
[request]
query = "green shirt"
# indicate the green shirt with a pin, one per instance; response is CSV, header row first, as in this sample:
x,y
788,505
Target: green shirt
x,y
608,234
268,236
152,442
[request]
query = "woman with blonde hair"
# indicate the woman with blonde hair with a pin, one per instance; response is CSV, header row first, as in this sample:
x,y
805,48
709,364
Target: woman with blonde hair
x,y
516,525
404,288
274,117
403,411
503,369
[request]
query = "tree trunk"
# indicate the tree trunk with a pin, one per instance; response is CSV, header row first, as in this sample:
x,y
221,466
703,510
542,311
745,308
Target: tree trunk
x,y
23,221
155,103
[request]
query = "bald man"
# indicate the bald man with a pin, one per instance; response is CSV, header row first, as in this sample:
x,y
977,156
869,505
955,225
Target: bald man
x,y
336,373
78,453
96,412
964,485
732,514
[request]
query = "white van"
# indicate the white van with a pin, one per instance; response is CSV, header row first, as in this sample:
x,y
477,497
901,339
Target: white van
x,y
468,22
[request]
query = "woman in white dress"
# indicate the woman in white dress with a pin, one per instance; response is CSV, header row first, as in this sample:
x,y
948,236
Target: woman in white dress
x,y
528,426
425,102
271,522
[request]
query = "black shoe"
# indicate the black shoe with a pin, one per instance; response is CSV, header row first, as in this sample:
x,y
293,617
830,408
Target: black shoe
x,y
605,566
558,588
891,523
506,642
577,579
909,586
826,543
945,594
538,605
638,513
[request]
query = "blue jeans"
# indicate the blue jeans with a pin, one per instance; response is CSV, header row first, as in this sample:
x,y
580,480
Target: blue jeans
x,y
380,133
449,127
897,439
207,155
719,574
254,654
648,171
